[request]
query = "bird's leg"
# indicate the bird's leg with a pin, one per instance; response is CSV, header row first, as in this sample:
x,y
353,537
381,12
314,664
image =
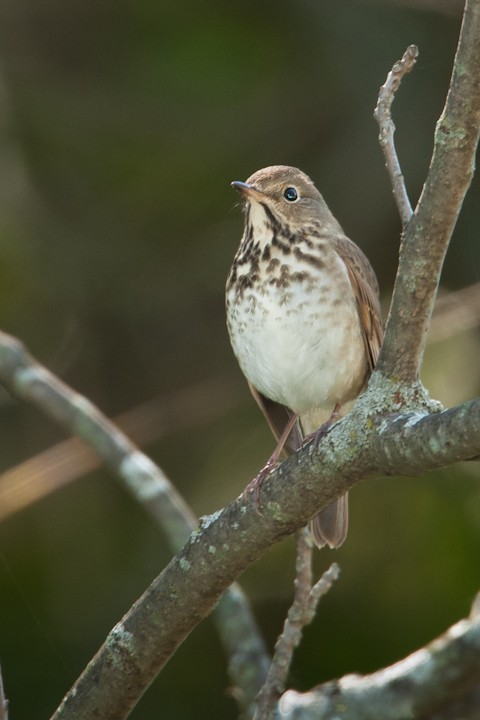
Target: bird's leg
x,y
272,463
318,434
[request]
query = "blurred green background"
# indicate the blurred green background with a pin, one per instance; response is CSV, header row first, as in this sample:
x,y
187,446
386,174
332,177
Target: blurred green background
x,y
122,125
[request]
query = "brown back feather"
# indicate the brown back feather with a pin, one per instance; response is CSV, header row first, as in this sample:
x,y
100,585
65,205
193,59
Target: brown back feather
x,y
365,287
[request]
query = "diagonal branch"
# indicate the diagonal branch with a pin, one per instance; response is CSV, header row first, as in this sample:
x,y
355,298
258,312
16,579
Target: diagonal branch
x,y
248,659
427,235
231,540
225,544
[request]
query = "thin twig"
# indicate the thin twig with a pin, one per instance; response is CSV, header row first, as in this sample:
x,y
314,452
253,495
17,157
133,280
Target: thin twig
x,y
299,616
383,116
26,378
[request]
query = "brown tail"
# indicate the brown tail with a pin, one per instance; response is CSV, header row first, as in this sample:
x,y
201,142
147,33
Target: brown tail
x,y
330,526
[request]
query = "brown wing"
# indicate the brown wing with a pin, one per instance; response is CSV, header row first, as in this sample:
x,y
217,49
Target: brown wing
x,y
277,416
331,524
365,287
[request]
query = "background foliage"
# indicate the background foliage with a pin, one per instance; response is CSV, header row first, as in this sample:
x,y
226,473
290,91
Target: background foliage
x,y
122,125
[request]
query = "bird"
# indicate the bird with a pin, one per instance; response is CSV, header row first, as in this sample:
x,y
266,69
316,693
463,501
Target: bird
x,y
304,319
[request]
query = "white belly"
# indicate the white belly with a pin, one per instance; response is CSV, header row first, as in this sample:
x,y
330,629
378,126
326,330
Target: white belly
x,y
296,347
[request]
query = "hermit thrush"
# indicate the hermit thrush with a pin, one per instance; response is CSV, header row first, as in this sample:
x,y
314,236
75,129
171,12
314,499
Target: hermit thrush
x,y
303,316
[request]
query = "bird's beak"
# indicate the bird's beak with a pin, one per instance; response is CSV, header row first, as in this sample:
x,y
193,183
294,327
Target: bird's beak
x,y
248,191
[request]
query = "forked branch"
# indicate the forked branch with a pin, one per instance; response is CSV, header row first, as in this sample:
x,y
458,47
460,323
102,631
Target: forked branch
x,y
383,116
427,235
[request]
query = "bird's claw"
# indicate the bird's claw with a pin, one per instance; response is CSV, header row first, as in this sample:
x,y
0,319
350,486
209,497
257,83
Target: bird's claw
x,y
318,434
256,482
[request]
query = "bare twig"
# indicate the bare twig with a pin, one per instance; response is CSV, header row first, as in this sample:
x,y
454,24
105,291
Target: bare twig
x,y
299,616
427,235
416,687
383,116
149,485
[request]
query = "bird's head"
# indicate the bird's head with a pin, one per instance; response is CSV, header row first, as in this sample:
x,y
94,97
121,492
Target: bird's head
x,y
287,194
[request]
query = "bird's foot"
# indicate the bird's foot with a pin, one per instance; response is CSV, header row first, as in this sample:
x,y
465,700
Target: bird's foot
x,y
322,430
257,481
317,435
271,464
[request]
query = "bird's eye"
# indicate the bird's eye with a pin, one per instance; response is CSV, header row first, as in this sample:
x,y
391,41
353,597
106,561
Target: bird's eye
x,y
290,194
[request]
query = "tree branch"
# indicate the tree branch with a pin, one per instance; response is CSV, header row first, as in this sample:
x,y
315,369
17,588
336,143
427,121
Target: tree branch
x,y
416,687
427,235
383,116
301,614
414,444
22,375
230,541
